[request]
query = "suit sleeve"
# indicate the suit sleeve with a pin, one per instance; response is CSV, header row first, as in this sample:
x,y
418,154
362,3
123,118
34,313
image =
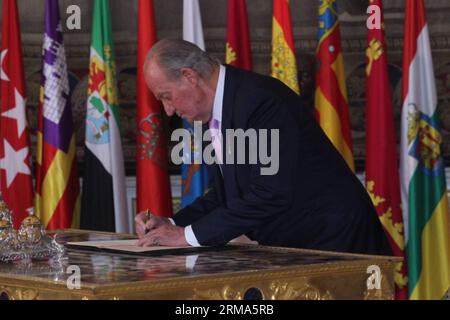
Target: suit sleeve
x,y
200,207
269,195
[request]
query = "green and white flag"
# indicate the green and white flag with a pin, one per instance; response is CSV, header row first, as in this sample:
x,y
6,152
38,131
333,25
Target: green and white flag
x,y
104,204
423,185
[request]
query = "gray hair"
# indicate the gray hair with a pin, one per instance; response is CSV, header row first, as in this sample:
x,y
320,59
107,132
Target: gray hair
x,y
173,55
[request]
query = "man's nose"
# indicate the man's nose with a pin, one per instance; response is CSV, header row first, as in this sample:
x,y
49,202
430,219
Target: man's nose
x,y
169,109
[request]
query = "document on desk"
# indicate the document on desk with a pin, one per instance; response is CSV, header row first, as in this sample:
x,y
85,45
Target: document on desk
x,y
129,246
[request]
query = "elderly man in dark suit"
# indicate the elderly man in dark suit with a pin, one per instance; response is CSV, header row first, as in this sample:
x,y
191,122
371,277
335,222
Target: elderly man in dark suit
x,y
312,201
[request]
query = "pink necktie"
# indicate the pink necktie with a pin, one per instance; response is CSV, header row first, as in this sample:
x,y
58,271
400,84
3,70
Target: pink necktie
x,y
214,126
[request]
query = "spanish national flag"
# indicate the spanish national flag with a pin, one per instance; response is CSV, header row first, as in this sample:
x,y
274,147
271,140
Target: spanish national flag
x,y
284,63
331,93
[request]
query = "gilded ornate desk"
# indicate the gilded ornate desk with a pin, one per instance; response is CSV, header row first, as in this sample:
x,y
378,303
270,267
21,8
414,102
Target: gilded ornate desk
x,y
233,272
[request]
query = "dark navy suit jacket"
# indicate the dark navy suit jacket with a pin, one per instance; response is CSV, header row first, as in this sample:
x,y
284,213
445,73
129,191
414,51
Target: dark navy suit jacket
x,y
314,201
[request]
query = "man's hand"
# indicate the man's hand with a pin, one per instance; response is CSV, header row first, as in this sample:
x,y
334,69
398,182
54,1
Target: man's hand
x,y
164,235
144,223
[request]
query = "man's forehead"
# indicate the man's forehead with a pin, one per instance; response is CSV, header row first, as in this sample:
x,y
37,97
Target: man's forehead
x,y
154,70
155,76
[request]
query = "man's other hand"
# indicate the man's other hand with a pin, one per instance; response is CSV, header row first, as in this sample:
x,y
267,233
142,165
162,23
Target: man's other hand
x,y
145,222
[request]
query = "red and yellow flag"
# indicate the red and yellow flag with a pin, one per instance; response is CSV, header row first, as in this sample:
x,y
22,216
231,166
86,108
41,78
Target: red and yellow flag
x,y
238,50
382,176
331,93
284,63
152,179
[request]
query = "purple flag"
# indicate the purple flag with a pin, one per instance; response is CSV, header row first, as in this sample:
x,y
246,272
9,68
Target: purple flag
x,y
57,186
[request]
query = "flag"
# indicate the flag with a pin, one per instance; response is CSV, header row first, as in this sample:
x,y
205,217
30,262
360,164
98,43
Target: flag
x,y
192,23
152,178
57,186
284,63
422,175
15,157
382,176
238,51
104,202
194,177
331,94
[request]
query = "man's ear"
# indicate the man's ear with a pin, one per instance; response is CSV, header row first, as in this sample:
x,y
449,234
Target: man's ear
x,y
190,75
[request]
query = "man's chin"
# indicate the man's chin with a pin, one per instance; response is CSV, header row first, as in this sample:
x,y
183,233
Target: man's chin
x,y
191,121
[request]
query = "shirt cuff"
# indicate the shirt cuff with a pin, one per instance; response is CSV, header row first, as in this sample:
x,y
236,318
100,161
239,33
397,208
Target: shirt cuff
x,y
172,222
190,237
